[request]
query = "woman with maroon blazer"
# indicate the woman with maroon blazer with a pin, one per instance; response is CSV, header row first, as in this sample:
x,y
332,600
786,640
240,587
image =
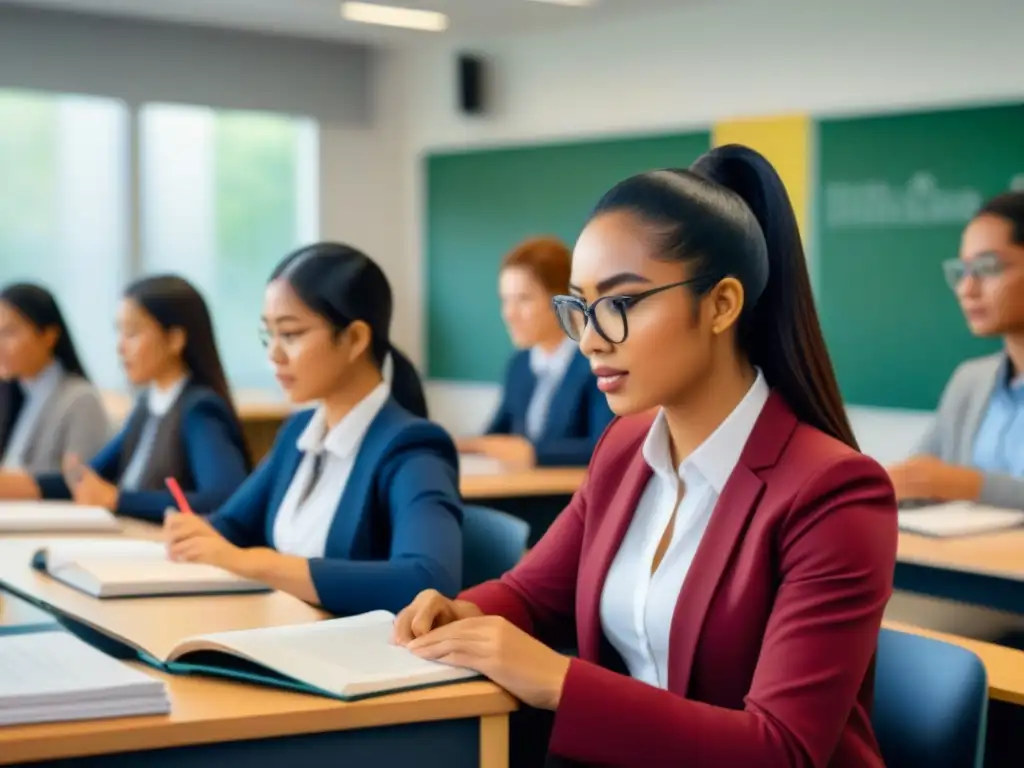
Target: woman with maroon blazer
x,y
727,562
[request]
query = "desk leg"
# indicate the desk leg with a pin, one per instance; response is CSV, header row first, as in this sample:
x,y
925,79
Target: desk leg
x,y
494,741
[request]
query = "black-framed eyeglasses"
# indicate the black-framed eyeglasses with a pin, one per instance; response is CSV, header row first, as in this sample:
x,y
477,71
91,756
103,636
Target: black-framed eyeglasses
x,y
608,313
982,266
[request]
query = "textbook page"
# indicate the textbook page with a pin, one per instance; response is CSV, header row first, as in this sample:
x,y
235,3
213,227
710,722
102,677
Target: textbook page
x,y
346,657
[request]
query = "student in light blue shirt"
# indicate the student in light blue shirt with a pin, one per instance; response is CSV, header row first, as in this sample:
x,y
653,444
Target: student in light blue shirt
x,y
975,449
552,411
357,507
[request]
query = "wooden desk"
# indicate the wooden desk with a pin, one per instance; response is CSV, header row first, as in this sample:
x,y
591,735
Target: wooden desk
x,y
543,481
1005,666
1000,555
981,570
215,723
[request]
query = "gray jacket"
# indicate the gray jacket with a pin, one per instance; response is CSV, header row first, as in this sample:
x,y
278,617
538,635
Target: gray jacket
x,y
961,409
72,421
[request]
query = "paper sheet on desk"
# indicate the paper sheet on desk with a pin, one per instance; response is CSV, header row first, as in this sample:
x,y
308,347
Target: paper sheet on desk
x,y
958,518
478,464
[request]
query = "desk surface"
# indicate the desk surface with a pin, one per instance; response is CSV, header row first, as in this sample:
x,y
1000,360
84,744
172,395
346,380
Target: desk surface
x,y
997,554
543,481
1005,666
252,405
206,710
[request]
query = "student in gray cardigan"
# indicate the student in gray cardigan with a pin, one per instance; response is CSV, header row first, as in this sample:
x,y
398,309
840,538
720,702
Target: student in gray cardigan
x,y
48,407
975,448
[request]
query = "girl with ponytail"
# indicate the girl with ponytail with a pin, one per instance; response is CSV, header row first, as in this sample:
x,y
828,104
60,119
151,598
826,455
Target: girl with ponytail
x,y
727,562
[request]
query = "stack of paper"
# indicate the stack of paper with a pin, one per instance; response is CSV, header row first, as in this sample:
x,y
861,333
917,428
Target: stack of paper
x,y
53,676
54,516
958,518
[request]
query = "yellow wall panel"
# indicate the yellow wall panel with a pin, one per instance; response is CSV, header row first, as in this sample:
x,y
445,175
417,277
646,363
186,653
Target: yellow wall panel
x,y
787,143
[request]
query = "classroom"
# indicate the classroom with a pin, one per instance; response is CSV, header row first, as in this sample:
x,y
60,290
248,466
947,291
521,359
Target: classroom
x,y
333,428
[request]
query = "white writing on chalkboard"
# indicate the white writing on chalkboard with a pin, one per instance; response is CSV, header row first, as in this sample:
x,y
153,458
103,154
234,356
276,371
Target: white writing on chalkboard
x,y
921,202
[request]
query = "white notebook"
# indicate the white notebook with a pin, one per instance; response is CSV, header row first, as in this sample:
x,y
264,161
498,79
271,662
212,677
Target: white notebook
x,y
478,464
55,517
53,676
958,518
132,568
347,658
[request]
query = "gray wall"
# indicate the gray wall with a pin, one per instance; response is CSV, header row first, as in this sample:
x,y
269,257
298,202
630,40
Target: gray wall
x,y
146,61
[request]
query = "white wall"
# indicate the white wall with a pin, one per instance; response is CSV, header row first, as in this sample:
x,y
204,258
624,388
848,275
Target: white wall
x,y
705,61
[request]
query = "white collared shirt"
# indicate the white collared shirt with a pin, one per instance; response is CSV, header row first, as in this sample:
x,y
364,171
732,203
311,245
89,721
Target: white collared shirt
x,y
158,402
636,605
38,390
548,370
301,528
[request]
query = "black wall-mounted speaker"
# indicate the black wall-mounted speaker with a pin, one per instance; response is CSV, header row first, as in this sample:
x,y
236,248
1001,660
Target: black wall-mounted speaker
x,y
471,84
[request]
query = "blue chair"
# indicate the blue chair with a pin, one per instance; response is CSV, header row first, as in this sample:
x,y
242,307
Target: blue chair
x,y
931,703
492,542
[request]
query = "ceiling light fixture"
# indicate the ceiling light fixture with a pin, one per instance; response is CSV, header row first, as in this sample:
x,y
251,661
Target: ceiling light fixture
x,y
392,16
575,3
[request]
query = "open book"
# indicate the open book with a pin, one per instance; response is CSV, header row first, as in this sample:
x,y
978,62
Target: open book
x,y
958,518
52,676
350,658
54,517
133,568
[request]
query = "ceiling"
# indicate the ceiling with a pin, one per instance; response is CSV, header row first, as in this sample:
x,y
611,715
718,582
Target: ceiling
x,y
322,18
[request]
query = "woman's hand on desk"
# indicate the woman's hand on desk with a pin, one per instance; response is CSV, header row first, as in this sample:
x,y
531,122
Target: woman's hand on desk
x,y
429,610
86,486
495,647
191,539
513,450
925,477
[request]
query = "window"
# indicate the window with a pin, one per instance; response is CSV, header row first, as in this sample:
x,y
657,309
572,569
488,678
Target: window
x,y
224,195
63,211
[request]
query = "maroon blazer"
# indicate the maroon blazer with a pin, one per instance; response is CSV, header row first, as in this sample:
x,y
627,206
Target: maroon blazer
x,y
774,634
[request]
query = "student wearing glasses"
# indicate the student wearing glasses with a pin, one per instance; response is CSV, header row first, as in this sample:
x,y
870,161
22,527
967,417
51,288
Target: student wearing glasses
x,y
357,506
726,563
975,448
183,424
551,412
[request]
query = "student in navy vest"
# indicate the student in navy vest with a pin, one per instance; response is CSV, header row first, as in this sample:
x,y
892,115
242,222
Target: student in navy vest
x,y
357,506
183,424
551,412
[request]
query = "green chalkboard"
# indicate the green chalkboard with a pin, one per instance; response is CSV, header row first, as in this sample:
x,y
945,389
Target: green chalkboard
x,y
481,203
894,194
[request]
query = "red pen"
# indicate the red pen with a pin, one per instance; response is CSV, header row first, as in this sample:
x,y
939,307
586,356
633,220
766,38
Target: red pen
x,y
179,496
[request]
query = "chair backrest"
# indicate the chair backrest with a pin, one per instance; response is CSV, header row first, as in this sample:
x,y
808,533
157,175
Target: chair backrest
x,y
931,703
493,542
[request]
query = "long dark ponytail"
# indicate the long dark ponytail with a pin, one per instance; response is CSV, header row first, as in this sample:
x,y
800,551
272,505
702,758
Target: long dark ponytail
x,y
39,307
730,214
